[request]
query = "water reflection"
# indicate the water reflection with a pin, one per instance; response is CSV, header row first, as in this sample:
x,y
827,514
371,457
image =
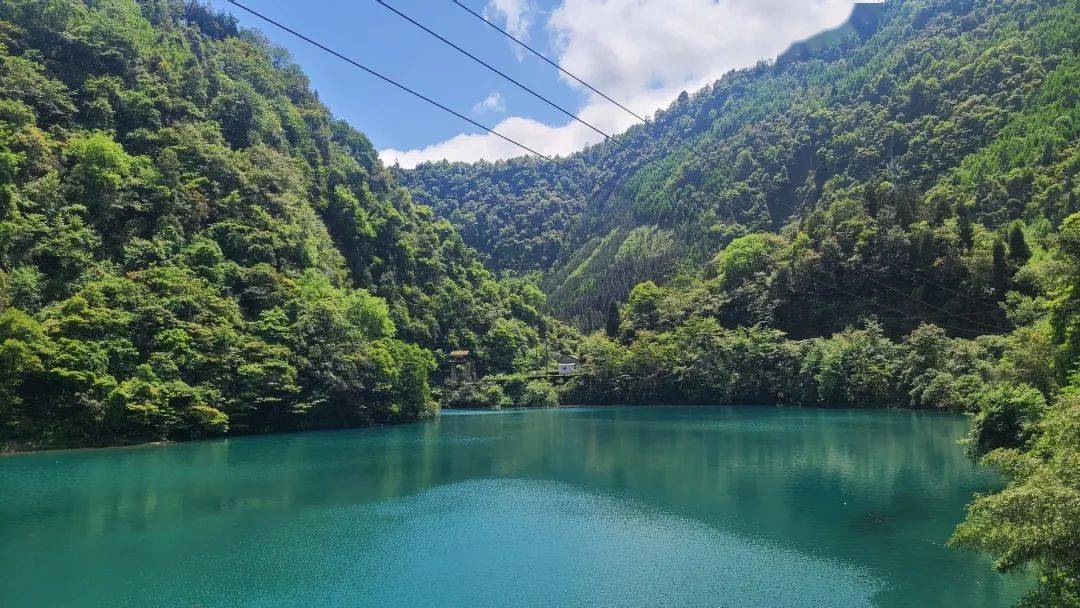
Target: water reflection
x,y
869,492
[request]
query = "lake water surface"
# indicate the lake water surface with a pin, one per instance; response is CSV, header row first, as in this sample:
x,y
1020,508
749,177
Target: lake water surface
x,y
641,507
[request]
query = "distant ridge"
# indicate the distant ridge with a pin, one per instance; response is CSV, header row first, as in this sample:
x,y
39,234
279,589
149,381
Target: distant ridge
x,y
863,22
898,125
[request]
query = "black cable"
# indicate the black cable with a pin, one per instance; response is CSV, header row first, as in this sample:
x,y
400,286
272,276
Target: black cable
x,y
896,310
558,107
612,188
604,183
940,286
670,136
919,300
640,118
549,61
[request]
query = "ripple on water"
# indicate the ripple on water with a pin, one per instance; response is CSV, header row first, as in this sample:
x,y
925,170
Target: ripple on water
x,y
627,507
537,543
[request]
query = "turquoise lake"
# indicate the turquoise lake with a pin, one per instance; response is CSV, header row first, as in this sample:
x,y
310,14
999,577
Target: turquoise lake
x,y
637,507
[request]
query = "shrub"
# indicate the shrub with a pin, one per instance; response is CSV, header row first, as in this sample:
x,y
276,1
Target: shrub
x,y
539,393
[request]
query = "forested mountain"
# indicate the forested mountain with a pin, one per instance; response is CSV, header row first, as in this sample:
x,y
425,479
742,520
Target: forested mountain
x,y
916,142
884,219
190,243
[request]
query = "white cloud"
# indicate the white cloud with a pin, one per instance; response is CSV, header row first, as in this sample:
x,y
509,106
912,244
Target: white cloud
x,y
492,103
663,44
516,18
542,138
660,48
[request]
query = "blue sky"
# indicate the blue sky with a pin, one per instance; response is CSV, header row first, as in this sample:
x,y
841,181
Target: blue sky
x,y
641,52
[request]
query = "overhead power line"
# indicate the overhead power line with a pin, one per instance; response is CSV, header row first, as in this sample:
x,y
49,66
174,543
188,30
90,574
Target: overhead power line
x,y
995,309
870,278
599,182
568,113
549,61
918,276
896,310
606,184
940,286
642,119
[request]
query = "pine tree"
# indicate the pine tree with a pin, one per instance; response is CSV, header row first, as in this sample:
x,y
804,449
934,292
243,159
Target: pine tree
x,y
963,225
1001,268
1019,251
613,320
925,252
942,210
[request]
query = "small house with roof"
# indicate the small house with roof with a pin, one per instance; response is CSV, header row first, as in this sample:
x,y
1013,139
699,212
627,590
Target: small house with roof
x,y
462,368
568,365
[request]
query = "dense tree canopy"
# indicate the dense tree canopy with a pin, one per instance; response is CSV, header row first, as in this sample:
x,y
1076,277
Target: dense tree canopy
x,y
917,142
191,244
883,217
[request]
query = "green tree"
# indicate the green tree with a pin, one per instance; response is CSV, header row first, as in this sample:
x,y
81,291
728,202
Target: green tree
x,y
745,256
1033,521
1019,251
613,322
507,345
644,305
1005,416
1000,268
538,393
100,168
964,225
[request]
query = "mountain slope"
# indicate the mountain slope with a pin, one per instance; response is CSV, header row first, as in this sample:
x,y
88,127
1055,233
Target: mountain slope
x,y
897,224
912,111
190,243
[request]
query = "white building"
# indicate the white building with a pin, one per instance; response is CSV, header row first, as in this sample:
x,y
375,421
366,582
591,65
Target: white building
x,y
568,365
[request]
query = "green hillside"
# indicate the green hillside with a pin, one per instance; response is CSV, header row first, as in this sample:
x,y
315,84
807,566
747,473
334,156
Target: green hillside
x,y
191,244
887,220
923,138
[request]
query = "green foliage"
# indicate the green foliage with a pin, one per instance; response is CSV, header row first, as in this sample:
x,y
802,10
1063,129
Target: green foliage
x,y
614,321
700,361
897,145
1004,418
1065,308
99,170
1034,520
538,393
192,245
744,257
644,305
518,213
853,369
507,346
1018,247
483,394
1001,268
522,390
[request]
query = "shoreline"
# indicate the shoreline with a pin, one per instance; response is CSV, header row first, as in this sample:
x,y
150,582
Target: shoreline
x,y
6,450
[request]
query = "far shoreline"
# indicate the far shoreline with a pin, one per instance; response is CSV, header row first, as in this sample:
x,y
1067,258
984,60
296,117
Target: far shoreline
x,y
7,451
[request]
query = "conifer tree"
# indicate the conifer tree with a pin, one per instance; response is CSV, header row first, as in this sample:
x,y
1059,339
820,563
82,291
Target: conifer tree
x,y
1019,251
